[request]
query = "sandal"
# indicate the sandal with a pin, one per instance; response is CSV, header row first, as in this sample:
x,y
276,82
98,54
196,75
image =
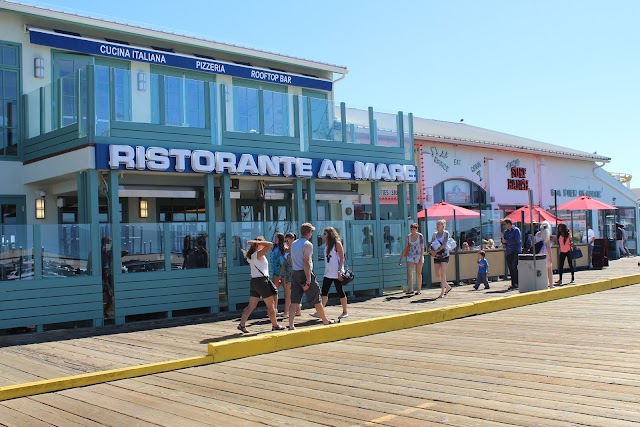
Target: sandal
x,y
447,291
332,322
278,328
243,328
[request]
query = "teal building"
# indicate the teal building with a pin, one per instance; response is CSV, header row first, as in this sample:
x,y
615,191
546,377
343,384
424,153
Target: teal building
x,y
146,160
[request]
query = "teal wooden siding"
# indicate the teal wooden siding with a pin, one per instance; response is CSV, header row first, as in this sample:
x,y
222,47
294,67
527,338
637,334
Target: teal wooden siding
x,y
52,143
360,152
27,303
157,135
238,286
261,144
153,292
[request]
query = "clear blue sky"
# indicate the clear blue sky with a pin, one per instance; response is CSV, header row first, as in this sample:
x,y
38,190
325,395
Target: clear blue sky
x,y
562,72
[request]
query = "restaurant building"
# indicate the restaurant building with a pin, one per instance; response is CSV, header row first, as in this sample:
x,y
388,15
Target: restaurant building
x,y
146,160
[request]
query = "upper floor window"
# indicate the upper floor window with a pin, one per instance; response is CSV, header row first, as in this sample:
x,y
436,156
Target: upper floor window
x,y
252,101
9,89
179,100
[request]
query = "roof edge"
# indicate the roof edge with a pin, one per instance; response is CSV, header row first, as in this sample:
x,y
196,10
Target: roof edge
x,y
474,143
79,18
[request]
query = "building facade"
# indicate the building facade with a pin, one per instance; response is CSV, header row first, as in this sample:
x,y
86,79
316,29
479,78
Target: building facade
x,y
491,172
135,165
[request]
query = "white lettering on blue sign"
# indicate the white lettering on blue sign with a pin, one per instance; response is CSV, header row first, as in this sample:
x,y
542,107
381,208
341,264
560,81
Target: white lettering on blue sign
x,y
131,53
210,66
221,162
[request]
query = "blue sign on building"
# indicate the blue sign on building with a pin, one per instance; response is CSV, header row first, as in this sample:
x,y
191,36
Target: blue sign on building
x,y
115,50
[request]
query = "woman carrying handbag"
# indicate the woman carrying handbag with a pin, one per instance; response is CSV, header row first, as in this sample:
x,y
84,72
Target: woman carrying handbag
x,y
565,241
333,269
260,286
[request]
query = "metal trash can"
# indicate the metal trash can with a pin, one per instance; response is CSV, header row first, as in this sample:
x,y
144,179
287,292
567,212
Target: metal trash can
x,y
530,278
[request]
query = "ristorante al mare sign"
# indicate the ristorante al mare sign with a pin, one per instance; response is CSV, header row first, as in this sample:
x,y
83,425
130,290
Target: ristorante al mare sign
x,y
131,53
179,160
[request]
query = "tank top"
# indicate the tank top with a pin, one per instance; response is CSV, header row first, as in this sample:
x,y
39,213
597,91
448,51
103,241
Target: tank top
x,y
297,254
259,267
331,264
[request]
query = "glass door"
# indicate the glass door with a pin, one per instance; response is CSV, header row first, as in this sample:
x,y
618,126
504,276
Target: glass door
x,y
68,88
13,234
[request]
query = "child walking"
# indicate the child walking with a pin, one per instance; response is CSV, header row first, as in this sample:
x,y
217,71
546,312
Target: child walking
x,y
483,271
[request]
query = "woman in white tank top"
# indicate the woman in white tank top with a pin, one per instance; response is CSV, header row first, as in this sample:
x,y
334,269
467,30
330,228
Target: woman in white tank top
x,y
260,285
333,269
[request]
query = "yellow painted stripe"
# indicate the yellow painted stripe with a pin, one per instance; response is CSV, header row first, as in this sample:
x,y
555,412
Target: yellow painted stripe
x,y
269,343
263,344
64,383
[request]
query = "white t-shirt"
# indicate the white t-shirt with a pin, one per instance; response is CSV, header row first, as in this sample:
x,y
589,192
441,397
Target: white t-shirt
x,y
590,234
259,267
331,264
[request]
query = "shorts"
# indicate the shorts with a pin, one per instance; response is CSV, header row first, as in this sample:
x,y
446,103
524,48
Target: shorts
x,y
298,279
416,259
261,287
441,260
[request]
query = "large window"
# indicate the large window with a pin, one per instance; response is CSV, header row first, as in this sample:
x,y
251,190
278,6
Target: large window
x,y
181,210
113,95
247,108
179,100
459,192
9,89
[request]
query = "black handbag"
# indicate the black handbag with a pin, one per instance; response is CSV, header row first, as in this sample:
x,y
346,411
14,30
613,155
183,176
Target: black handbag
x,y
347,276
576,253
538,247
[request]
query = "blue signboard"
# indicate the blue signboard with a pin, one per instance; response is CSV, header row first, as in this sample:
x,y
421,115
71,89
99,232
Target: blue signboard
x,y
129,53
180,160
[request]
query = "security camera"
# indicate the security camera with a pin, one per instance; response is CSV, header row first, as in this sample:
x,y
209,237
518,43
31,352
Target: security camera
x,y
43,194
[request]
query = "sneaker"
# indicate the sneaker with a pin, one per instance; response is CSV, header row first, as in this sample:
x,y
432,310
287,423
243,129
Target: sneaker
x,y
487,287
316,315
291,328
343,316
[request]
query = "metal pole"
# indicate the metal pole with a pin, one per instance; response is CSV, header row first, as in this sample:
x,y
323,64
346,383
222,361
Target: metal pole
x,y
531,225
555,202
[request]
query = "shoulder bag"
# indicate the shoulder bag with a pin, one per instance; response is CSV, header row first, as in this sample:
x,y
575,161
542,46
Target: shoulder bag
x,y
267,279
347,276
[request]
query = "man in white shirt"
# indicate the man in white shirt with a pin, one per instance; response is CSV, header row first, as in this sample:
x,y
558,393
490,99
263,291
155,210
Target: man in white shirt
x,y
589,237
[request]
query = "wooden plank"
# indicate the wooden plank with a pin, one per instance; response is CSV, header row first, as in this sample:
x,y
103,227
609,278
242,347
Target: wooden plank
x,y
45,413
88,410
11,417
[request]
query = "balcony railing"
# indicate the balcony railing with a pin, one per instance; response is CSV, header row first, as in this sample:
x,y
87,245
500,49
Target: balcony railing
x,y
100,99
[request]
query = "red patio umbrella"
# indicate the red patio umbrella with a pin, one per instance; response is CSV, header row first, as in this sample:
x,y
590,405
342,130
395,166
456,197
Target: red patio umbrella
x,y
585,203
444,210
539,215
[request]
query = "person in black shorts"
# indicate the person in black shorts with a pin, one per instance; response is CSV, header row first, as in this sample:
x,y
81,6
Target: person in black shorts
x,y
260,285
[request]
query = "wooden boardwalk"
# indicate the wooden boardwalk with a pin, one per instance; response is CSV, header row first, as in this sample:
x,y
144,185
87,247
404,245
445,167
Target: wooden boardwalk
x,y
61,353
568,362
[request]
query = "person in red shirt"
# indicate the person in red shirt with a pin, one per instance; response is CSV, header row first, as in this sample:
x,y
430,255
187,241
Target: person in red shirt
x,y
565,240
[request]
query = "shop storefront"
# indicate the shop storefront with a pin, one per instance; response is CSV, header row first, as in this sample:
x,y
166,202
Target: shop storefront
x,y
492,173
